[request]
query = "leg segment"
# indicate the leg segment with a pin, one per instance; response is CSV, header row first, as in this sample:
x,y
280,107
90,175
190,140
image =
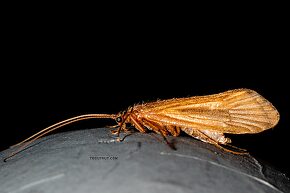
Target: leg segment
x,y
136,124
174,131
159,129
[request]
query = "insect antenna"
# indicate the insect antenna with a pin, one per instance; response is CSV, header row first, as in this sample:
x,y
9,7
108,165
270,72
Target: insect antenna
x,y
55,126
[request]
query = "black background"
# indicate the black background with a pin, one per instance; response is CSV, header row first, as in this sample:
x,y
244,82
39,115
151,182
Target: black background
x,y
56,68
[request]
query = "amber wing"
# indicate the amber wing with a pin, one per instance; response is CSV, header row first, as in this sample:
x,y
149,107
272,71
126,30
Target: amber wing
x,y
236,111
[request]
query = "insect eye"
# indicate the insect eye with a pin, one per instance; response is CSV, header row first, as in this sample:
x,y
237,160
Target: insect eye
x,y
119,119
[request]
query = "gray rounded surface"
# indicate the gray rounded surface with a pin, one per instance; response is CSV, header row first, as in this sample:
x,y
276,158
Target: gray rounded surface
x,y
93,161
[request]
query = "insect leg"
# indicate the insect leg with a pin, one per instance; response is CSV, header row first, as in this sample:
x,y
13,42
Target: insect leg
x,y
136,124
122,125
112,126
158,128
174,131
117,131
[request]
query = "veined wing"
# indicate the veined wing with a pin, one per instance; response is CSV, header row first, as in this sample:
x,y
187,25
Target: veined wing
x,y
236,111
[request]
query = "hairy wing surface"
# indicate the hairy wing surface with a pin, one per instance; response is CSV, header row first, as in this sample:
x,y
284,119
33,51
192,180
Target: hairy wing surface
x,y
235,111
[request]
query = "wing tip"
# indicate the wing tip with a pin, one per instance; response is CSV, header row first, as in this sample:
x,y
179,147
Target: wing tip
x,y
250,103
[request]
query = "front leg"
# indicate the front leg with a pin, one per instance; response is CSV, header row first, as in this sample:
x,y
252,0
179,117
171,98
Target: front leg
x,y
116,131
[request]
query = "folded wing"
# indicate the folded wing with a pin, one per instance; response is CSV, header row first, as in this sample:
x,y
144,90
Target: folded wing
x,y
236,111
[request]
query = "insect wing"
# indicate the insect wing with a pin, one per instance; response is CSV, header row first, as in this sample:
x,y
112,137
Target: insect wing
x,y
236,111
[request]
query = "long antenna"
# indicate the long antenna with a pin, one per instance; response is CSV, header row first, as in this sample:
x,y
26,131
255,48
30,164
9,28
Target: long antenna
x,y
55,126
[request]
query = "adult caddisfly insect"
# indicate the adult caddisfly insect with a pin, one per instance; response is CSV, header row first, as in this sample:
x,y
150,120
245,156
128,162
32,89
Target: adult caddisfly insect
x,y
206,118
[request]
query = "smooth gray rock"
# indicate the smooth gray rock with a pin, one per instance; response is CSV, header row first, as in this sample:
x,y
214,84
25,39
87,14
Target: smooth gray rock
x,y
93,161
